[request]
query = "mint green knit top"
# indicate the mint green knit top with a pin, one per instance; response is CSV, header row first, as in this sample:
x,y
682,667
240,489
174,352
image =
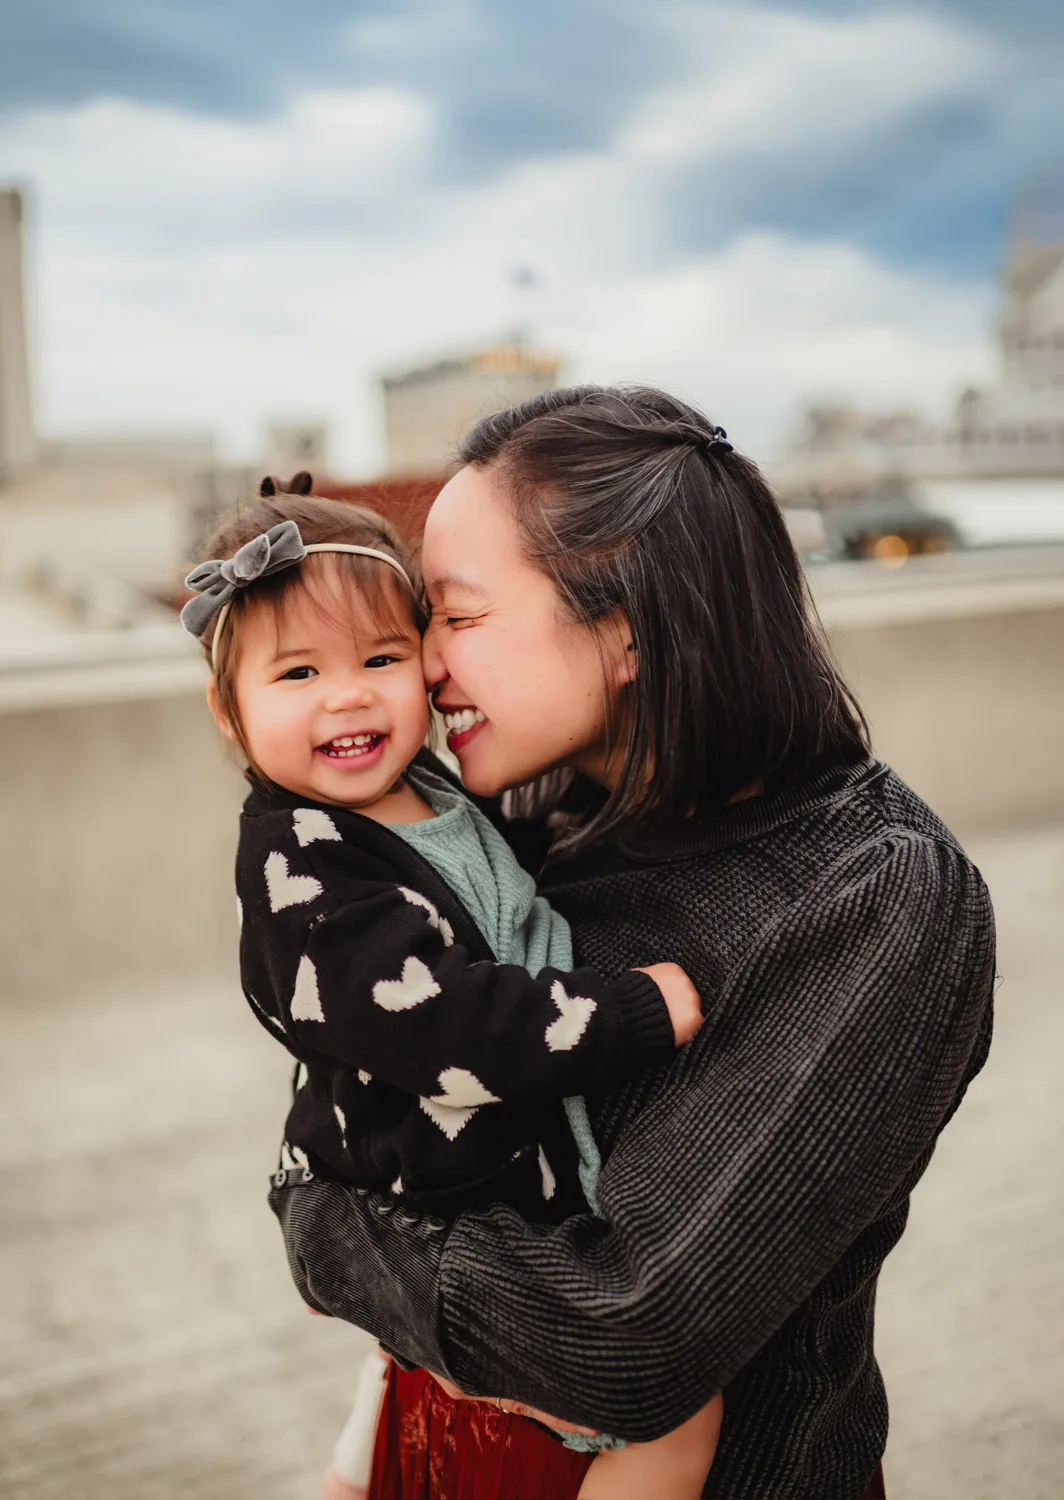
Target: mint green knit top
x,y
520,927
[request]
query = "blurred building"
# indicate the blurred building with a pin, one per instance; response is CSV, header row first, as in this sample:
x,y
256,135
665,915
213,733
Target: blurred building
x,y
427,409
1010,431
291,446
1017,426
17,442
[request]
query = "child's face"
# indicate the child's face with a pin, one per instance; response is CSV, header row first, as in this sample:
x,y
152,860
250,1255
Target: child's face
x,y
332,703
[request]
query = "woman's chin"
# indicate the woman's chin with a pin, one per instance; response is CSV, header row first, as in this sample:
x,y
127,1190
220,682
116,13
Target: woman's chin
x,y
478,774
479,779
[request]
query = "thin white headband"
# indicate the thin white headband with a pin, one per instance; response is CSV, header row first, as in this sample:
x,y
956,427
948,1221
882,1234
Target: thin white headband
x,y
216,583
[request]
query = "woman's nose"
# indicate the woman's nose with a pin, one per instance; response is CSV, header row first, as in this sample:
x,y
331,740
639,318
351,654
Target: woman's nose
x,y
431,661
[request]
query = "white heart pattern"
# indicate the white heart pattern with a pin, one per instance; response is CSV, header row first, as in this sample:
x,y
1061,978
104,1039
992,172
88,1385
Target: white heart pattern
x,y
450,1121
414,986
306,1002
463,1094
563,1034
364,1077
441,924
462,1088
547,1175
292,1156
310,823
288,890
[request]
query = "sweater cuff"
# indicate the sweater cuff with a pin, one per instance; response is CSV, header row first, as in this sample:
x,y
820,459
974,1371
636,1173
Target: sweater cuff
x,y
646,1027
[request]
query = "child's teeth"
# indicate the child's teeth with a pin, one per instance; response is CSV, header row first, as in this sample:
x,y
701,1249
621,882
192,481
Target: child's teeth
x,y
349,746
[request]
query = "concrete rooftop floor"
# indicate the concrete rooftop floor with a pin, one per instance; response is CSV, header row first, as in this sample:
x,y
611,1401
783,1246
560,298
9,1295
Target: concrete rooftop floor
x,y
151,1344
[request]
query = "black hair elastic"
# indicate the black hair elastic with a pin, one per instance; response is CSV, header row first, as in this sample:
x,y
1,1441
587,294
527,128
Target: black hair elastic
x,y
716,441
703,440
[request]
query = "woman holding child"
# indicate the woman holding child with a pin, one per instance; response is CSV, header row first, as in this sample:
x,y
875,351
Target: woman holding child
x,y
619,627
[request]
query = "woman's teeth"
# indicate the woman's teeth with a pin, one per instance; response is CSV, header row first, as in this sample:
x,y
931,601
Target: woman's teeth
x,y
465,718
351,745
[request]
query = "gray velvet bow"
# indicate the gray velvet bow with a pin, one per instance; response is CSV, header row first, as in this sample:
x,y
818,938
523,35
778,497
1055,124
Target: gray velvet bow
x,y
216,582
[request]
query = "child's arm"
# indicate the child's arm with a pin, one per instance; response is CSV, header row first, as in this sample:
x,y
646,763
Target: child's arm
x,y
383,987
366,972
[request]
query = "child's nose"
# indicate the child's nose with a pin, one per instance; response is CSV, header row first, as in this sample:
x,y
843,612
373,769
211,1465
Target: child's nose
x,y
341,697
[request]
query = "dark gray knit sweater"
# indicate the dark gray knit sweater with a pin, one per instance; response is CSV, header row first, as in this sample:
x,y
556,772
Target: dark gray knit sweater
x,y
753,1186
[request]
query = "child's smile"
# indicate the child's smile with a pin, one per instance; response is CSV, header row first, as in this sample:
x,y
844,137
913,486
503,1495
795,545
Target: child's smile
x,y
359,750
331,699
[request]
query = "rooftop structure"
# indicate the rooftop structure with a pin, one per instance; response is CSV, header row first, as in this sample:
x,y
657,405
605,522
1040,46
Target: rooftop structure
x,y
1013,429
17,440
427,409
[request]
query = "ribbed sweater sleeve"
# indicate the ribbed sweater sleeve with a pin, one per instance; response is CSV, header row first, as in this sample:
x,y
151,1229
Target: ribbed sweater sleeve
x,y
736,1191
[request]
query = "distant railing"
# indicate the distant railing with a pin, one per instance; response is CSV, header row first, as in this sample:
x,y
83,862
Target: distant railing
x,y
937,568
155,658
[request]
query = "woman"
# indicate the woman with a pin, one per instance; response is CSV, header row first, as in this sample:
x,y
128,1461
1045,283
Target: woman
x,y
615,595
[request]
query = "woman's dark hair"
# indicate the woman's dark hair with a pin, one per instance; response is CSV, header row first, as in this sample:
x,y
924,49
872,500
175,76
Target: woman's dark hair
x,y
629,500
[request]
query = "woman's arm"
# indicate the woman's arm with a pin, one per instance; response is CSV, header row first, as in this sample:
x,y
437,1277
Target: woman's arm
x,y
844,1043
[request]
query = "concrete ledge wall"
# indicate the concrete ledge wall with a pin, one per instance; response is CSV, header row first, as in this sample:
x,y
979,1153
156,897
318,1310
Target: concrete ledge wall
x,y
969,711
119,825
120,816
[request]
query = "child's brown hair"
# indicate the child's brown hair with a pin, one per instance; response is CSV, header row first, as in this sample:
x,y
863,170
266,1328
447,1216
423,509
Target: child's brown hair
x,y
319,521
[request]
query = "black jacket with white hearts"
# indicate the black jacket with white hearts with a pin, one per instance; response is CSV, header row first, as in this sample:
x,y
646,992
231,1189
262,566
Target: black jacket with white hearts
x,y
426,1064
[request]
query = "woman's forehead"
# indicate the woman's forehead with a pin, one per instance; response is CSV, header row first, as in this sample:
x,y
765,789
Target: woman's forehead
x,y
470,536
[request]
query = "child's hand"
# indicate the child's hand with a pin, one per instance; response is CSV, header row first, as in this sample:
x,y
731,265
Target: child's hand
x,y
682,999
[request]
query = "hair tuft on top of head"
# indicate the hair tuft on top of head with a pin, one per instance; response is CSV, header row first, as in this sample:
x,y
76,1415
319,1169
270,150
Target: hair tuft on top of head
x,y
299,484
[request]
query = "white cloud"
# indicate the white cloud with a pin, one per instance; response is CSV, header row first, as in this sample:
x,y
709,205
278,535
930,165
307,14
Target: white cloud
x,y
123,170
760,79
195,271
771,320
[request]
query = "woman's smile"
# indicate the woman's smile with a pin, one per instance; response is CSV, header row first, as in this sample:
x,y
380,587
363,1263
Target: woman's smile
x,y
462,725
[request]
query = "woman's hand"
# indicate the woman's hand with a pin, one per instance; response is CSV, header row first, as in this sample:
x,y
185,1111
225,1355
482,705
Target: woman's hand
x,y
513,1408
682,999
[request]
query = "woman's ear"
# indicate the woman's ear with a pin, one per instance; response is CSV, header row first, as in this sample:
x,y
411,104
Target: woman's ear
x,y
622,657
215,707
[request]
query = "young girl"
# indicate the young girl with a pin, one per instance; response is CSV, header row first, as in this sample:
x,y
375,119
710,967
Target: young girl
x,y
389,938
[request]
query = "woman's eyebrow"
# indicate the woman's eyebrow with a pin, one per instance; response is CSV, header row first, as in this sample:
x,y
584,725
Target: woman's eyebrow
x,y
456,581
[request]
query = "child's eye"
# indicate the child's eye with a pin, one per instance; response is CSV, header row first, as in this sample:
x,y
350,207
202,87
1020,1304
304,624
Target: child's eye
x,y
298,674
381,661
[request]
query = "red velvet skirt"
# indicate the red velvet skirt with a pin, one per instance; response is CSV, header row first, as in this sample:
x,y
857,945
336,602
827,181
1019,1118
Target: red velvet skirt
x,y
432,1448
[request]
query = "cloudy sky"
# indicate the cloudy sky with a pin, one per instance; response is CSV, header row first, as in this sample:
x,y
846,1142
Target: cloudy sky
x,y
246,208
